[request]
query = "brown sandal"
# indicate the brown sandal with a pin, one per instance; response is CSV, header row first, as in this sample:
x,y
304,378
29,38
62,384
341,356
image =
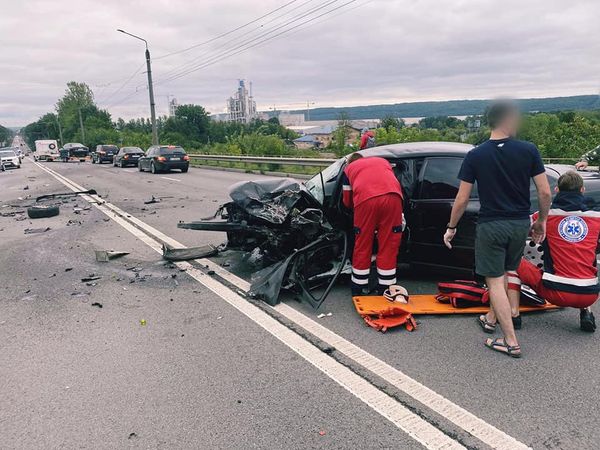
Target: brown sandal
x,y
500,345
488,327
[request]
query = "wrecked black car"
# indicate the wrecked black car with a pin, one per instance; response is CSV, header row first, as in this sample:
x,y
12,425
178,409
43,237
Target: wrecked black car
x,y
305,230
286,227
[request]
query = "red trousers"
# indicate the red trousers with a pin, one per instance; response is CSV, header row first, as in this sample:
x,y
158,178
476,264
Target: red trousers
x,y
529,274
382,214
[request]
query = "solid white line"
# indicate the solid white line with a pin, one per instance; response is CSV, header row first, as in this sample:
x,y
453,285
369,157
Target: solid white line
x,y
172,179
485,432
416,427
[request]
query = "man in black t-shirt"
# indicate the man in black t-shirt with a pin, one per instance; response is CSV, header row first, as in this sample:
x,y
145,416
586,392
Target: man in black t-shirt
x,y
503,168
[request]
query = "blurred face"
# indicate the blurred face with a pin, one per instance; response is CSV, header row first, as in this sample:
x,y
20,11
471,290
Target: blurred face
x,y
510,125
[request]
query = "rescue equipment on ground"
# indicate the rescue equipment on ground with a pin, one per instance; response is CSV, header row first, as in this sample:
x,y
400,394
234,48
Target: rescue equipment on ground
x,y
380,315
396,294
463,293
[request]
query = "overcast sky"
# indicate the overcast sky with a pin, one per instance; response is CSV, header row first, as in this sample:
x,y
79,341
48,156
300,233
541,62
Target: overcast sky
x,y
378,51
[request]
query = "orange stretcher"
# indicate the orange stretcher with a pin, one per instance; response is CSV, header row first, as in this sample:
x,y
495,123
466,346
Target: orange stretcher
x,y
427,304
380,314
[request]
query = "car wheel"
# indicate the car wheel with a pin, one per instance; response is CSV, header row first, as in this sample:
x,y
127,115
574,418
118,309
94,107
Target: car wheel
x,y
140,167
153,168
38,212
93,161
121,164
184,170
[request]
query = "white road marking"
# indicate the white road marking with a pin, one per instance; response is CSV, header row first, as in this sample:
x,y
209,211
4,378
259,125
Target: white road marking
x,y
172,179
472,424
388,407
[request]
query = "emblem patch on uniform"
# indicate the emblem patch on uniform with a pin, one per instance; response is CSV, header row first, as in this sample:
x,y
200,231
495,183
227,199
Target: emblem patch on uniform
x,y
573,229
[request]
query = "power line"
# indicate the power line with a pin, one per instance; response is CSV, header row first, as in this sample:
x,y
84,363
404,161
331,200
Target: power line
x,y
217,58
238,38
226,33
104,100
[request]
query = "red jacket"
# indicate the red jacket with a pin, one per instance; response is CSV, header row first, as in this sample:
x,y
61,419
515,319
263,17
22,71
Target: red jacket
x,y
366,178
364,140
572,234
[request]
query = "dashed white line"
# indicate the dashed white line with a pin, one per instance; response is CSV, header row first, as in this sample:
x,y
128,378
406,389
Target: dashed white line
x,y
172,179
419,429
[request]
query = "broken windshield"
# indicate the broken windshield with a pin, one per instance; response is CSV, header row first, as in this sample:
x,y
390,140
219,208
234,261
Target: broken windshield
x,y
314,185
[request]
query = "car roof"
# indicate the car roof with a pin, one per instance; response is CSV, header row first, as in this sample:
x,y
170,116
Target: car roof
x,y
435,148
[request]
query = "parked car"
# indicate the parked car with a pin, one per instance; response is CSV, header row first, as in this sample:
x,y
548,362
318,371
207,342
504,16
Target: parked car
x,y
428,174
128,156
74,150
9,158
160,158
104,153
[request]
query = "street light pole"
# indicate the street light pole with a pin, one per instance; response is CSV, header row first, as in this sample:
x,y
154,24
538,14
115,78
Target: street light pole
x,y
150,88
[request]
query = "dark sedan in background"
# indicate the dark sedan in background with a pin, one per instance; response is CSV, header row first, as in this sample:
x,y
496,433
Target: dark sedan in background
x,y
161,158
128,156
104,153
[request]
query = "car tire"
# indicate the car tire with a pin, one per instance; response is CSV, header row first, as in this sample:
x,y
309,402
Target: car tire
x,y
140,168
39,212
93,161
122,164
184,170
153,169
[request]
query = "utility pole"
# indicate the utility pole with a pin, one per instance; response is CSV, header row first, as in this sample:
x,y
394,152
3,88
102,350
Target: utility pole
x,y
150,87
60,129
81,125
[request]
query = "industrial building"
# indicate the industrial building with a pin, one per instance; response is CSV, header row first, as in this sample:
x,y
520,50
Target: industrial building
x,y
241,107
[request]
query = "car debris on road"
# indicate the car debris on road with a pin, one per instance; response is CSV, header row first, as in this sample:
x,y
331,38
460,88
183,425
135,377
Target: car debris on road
x,y
285,229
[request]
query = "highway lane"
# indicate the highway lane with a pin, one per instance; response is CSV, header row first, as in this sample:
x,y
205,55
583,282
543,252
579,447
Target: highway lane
x,y
198,374
551,388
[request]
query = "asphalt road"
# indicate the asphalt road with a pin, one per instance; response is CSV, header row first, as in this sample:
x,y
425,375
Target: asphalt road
x,y
199,374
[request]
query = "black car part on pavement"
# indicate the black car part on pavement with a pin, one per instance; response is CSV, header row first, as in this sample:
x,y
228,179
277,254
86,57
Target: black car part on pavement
x,y
66,194
300,250
39,212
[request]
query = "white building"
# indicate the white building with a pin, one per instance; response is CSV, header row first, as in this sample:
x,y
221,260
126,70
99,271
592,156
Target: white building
x,y
173,106
241,107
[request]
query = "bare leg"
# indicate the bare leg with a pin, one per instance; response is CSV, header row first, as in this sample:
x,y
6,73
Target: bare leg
x,y
514,298
500,303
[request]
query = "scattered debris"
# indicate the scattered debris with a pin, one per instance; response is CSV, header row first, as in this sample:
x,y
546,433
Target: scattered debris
x,y
26,188
66,194
72,222
132,436
143,322
184,254
135,268
97,305
36,230
320,316
52,276
91,277
152,200
68,269
106,255
211,272
80,294
38,212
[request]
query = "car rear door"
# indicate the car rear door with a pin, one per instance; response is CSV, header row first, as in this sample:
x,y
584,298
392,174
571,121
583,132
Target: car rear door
x,y
429,212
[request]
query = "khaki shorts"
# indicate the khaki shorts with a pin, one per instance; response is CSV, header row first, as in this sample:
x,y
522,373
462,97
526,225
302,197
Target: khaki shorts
x,y
499,246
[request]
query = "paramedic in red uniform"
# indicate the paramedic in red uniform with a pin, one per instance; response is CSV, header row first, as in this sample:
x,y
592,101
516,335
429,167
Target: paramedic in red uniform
x,y
372,190
570,275
367,139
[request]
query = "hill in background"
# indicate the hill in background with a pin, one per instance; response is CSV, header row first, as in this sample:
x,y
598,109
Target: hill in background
x,y
452,108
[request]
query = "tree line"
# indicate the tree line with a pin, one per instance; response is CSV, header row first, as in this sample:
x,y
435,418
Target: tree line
x,y
77,118
565,134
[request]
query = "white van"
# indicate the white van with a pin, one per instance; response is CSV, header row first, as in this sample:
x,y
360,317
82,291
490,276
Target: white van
x,y
46,150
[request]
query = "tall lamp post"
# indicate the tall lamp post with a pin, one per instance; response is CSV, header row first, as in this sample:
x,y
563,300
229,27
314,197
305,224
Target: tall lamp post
x,y
150,87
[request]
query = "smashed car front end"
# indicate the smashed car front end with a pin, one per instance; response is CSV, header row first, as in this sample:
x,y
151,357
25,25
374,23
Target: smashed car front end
x,y
286,227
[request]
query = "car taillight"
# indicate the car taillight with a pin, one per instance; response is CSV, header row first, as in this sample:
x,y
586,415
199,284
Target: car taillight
x,y
101,152
161,159
186,158
126,157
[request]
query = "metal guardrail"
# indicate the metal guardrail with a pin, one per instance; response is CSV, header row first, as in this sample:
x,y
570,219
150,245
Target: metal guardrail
x,y
284,161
